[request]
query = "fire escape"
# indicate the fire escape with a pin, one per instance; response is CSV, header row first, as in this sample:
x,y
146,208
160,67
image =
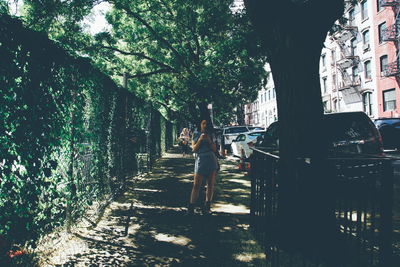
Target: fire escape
x,y
392,34
348,59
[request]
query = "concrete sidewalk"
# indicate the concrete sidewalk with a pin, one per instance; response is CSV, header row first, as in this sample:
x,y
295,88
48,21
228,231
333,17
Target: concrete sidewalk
x,y
147,225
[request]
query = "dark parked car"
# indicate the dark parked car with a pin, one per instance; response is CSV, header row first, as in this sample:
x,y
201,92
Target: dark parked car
x,y
390,132
348,132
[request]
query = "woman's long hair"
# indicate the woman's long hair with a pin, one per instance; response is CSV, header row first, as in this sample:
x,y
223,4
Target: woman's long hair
x,y
209,128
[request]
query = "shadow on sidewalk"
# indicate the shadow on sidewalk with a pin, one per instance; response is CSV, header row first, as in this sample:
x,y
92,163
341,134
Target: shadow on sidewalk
x,y
147,226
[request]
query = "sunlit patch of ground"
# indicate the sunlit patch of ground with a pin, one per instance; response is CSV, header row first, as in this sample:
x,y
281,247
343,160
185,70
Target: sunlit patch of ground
x,y
237,190
187,180
243,226
177,240
242,182
164,208
146,190
230,208
251,242
225,229
249,257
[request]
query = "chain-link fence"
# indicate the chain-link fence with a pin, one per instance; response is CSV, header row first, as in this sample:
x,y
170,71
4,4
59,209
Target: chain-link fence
x,y
69,136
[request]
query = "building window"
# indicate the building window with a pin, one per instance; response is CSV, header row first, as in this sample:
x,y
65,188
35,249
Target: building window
x,y
367,102
389,100
353,45
381,31
323,59
334,81
324,86
351,17
384,63
354,71
367,68
325,104
364,9
333,54
366,39
379,5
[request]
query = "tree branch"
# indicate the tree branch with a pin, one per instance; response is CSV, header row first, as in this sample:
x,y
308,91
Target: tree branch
x,y
142,75
152,31
145,74
195,37
170,88
164,105
142,55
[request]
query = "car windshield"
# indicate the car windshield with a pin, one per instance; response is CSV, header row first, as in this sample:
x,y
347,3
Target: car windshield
x,y
254,128
394,122
234,130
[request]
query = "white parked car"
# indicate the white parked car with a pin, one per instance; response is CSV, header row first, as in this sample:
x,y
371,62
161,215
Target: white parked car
x,y
230,133
256,128
241,145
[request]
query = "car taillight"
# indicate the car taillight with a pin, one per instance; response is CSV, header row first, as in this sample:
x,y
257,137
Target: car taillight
x,y
380,143
250,143
380,139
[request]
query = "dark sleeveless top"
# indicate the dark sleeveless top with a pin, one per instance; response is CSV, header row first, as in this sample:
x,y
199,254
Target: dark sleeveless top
x,y
204,146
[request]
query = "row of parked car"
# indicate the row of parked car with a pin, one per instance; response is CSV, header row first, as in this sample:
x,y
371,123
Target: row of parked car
x,y
347,133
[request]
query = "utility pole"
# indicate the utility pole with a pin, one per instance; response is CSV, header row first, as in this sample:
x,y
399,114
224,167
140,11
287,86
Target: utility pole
x,y
125,129
210,108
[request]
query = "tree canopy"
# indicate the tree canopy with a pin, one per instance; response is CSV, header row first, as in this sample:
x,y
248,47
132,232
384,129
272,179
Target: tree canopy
x,y
180,55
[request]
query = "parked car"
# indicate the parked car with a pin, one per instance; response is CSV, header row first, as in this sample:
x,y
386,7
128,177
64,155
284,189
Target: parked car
x,y
230,133
347,132
241,145
218,139
389,129
256,128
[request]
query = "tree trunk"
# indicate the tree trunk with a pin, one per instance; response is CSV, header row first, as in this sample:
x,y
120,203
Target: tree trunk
x,y
240,114
293,42
306,212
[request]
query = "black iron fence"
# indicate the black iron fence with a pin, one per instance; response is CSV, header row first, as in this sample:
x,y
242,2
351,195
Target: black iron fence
x,y
363,192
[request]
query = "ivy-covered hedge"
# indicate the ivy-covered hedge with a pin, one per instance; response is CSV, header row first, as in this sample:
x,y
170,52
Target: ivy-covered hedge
x,y
68,133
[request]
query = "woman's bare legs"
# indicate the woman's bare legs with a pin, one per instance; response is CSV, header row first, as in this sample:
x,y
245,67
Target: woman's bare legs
x,y
198,179
210,186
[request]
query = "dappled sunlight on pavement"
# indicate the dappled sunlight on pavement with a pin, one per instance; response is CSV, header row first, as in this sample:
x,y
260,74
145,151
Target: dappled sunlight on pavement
x,y
230,208
147,225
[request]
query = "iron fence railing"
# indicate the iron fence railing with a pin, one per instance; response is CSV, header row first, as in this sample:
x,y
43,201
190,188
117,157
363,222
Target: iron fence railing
x,y
363,191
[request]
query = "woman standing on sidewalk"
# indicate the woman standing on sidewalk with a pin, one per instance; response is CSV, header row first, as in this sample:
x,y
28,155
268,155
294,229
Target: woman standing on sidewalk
x,y
206,166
